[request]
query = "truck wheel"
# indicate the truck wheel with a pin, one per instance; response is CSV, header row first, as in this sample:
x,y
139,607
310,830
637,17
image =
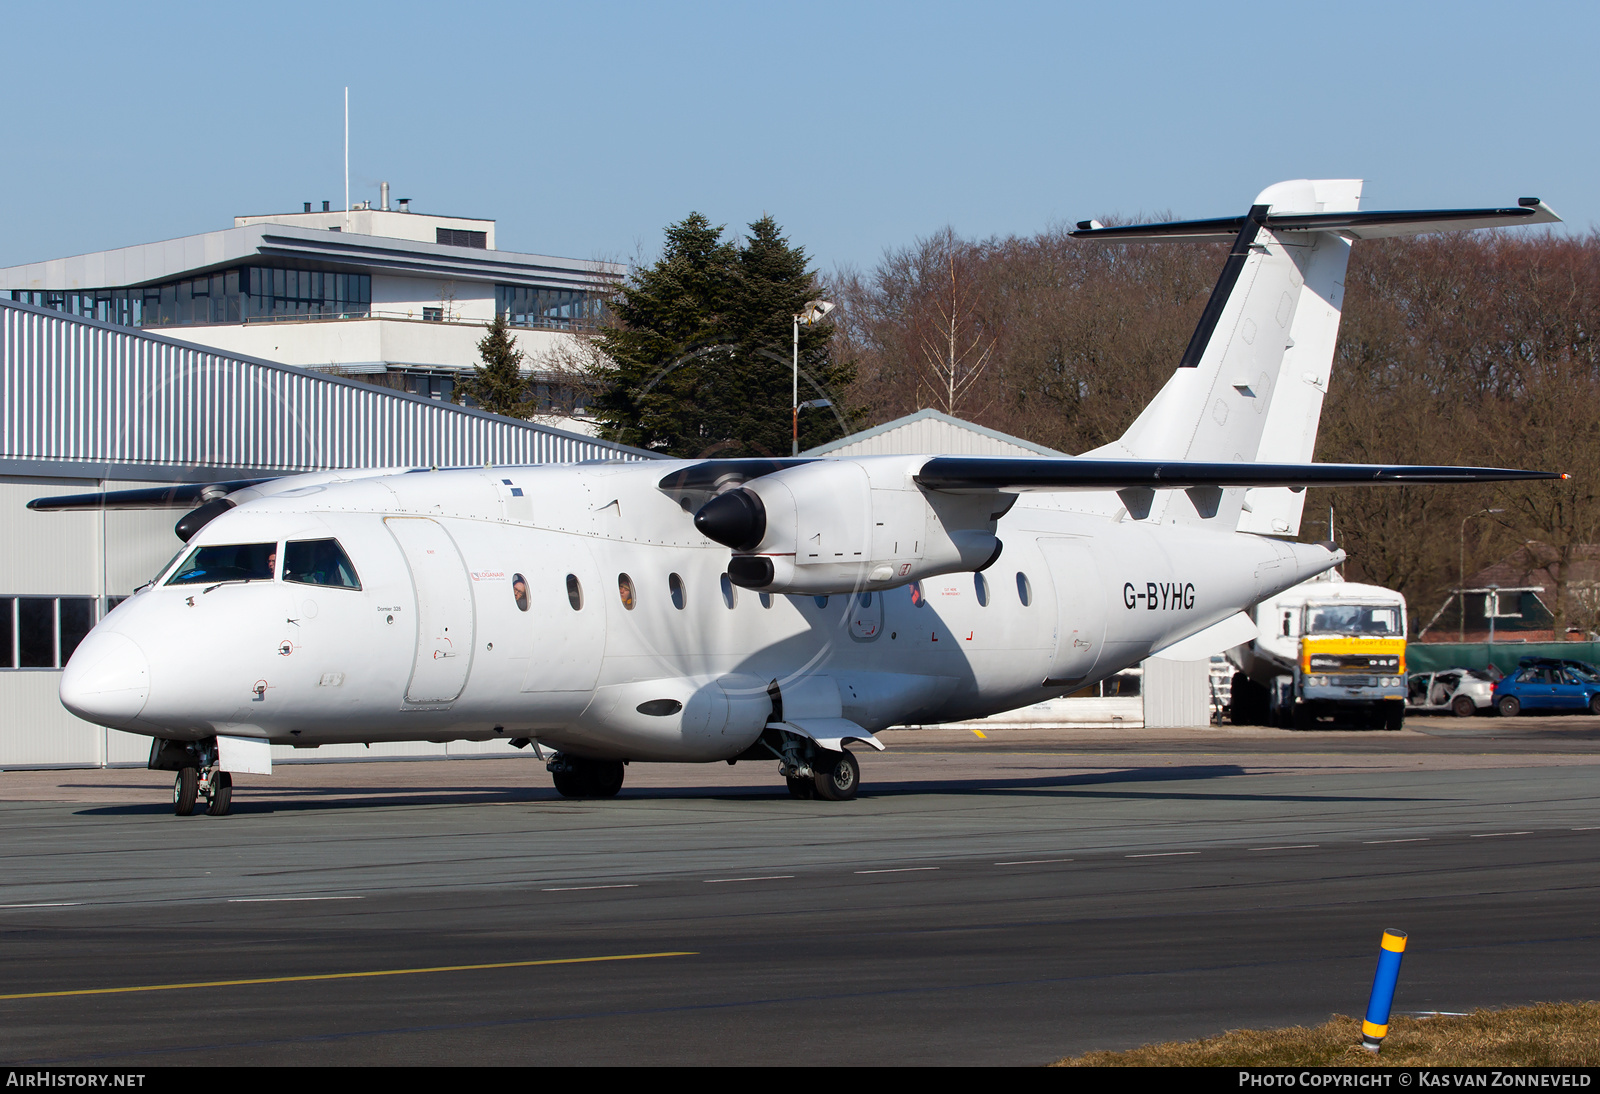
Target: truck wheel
x,y
1462,706
1244,701
1509,706
1303,717
1395,719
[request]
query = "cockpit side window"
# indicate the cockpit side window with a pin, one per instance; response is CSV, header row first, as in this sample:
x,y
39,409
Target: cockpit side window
x,y
232,562
319,562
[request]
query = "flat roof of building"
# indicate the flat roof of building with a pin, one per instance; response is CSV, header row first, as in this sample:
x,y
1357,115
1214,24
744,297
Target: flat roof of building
x,y
271,241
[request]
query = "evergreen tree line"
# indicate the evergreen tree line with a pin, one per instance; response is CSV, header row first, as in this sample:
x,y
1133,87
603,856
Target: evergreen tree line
x,y
1462,348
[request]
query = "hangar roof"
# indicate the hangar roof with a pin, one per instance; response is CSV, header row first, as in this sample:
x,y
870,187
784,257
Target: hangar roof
x,y
84,399
930,432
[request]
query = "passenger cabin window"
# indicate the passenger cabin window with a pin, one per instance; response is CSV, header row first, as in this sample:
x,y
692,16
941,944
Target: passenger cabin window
x,y
822,601
233,562
1024,589
675,586
574,593
917,599
625,591
319,562
519,591
730,596
980,585
766,600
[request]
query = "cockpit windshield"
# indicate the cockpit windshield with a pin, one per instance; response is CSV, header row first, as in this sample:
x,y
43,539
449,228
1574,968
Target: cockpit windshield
x,y
232,562
1353,619
319,562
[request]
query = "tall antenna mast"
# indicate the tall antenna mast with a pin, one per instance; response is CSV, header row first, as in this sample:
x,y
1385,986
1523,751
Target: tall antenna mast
x,y
347,157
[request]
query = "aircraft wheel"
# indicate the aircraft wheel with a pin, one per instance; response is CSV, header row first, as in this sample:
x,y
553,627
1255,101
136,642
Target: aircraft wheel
x,y
838,776
1464,707
1509,706
185,788
804,789
605,778
221,795
571,784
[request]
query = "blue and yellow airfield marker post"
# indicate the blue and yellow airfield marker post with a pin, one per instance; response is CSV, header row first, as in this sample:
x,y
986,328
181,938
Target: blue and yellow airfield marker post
x,y
1376,1026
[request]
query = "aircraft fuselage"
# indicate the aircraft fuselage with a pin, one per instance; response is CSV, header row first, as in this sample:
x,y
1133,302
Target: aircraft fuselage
x,y
628,641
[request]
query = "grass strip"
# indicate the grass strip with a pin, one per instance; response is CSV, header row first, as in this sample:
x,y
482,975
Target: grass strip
x,y
1541,1035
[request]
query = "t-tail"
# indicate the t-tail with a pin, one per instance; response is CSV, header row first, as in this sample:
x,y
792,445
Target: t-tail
x,y
1250,385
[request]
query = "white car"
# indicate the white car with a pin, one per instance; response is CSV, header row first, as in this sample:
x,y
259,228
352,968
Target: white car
x,y
1462,692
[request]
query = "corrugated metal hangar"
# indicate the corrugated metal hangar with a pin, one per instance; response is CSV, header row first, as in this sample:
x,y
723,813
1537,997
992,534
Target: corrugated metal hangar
x,y
87,406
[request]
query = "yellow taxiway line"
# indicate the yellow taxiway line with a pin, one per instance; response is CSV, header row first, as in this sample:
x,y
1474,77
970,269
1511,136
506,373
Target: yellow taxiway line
x,y
348,975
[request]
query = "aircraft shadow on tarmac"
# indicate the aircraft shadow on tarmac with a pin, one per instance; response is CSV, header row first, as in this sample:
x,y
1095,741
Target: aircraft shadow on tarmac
x,y
1079,784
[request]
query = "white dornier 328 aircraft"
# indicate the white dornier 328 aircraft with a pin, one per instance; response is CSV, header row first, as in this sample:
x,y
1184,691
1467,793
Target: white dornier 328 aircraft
x,y
695,611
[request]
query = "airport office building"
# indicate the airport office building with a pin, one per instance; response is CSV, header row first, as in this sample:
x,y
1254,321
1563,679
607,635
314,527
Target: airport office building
x,y
282,345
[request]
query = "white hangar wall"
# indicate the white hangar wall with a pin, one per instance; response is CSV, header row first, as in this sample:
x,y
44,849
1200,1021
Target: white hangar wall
x,y
86,406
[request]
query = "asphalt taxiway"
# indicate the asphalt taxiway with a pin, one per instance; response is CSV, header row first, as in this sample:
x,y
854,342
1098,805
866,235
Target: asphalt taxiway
x,y
1009,900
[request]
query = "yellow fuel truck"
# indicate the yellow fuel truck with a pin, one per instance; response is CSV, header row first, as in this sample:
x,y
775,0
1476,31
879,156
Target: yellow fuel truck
x,y
1327,651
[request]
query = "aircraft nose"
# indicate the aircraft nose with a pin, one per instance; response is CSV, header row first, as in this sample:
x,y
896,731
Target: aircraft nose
x,y
107,679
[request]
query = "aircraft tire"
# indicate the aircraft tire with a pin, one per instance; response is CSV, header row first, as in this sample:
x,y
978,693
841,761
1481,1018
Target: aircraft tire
x,y
221,795
605,778
571,784
803,789
838,776
185,788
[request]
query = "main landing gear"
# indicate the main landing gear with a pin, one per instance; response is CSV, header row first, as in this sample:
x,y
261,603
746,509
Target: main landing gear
x,y
815,772
576,777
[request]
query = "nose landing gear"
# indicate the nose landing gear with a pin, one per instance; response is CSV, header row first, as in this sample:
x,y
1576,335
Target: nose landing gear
x,y
199,775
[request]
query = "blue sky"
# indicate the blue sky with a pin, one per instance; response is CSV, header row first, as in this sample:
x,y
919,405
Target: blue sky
x,y
584,129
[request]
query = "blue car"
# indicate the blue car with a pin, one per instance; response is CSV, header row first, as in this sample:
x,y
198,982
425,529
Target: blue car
x,y
1540,684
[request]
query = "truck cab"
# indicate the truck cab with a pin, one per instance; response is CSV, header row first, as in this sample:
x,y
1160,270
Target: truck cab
x,y
1327,650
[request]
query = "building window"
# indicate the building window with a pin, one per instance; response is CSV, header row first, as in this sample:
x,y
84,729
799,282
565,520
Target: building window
x,y
458,237
227,296
433,315
41,632
559,309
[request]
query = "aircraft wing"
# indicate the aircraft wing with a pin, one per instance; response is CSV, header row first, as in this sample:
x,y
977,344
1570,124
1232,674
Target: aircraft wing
x,y
182,495
964,474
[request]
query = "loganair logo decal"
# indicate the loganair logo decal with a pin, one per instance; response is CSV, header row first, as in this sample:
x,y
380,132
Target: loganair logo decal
x,y
1158,595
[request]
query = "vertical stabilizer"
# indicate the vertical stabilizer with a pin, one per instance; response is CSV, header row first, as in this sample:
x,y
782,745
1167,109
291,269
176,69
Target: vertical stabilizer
x,y
1252,378
1290,432
1250,386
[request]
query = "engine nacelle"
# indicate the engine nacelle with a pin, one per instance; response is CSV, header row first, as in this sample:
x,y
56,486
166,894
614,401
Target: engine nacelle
x,y
839,526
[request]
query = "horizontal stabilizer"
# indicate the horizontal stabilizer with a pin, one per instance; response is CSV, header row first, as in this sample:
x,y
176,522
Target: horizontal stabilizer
x,y
972,473
1378,224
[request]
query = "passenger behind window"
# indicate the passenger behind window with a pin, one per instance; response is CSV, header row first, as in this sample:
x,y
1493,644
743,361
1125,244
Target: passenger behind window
x,y
519,591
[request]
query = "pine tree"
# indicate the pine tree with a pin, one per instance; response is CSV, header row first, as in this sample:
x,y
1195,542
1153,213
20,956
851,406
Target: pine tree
x,y
498,385
702,346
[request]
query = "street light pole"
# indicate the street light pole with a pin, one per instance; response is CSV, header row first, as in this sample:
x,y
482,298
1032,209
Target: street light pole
x,y
1461,635
814,310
